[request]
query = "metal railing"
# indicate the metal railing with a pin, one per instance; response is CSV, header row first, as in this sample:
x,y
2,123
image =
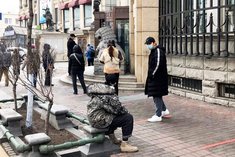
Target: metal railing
x,y
198,27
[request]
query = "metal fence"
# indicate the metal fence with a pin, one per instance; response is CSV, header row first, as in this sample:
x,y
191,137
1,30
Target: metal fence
x,y
198,27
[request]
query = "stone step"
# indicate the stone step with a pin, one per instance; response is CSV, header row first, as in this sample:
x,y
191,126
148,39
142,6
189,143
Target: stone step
x,y
124,86
122,78
120,83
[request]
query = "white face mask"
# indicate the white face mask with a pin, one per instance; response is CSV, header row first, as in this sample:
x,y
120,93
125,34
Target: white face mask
x,y
150,46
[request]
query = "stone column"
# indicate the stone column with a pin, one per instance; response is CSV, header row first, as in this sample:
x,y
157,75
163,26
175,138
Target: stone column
x,y
131,37
145,21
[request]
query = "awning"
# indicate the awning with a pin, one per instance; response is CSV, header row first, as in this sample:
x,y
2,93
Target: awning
x,y
24,17
63,6
73,3
19,18
84,2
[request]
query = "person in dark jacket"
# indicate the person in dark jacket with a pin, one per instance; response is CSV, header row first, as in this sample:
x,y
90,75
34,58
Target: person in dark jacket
x,y
90,54
5,63
48,64
70,44
77,63
157,79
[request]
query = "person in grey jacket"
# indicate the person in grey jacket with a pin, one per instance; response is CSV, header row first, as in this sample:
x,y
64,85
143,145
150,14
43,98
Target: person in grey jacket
x,y
5,63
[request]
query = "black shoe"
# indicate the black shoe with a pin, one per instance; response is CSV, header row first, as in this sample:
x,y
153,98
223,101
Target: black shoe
x,y
49,84
75,93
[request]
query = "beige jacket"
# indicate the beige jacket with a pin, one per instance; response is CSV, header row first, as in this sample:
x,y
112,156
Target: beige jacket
x,y
110,66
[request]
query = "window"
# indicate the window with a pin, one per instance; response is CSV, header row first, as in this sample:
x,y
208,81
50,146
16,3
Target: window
x,y
8,21
185,83
20,4
66,19
76,18
226,90
88,15
56,19
110,4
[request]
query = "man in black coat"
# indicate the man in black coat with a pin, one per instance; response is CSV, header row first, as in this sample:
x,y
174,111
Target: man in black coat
x,y
157,80
70,44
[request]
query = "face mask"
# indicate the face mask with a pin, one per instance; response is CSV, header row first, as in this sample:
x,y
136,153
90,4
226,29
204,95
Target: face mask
x,y
150,47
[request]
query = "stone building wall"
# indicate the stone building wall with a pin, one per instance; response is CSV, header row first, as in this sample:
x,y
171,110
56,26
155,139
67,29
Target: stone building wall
x,y
210,71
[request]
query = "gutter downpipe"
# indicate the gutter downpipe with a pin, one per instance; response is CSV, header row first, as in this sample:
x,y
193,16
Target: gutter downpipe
x,y
81,119
20,148
46,149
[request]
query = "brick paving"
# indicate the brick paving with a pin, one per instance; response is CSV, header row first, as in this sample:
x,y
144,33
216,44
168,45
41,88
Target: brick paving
x,y
196,128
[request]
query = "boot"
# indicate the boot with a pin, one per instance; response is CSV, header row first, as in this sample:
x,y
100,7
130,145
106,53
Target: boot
x,y
127,148
114,139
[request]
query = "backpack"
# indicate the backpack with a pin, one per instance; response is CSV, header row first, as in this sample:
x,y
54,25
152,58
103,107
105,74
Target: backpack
x,y
92,53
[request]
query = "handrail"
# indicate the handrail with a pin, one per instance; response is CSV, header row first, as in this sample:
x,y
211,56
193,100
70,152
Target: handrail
x,y
11,138
45,149
81,119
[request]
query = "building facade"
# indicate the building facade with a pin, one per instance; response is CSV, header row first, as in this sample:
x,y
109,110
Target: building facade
x,y
199,39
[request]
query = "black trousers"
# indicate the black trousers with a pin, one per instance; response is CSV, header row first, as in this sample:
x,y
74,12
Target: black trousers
x,y
90,61
48,73
112,80
124,121
80,76
69,68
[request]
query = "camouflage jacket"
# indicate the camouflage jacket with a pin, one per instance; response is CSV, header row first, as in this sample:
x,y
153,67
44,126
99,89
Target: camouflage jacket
x,y
103,108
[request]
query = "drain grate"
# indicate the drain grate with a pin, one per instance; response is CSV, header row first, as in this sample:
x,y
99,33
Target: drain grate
x,y
7,147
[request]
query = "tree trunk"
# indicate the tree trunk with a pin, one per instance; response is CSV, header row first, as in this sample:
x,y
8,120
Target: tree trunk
x,y
29,116
14,93
48,116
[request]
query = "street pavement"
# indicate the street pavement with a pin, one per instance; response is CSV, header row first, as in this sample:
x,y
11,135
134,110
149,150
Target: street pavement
x,y
196,128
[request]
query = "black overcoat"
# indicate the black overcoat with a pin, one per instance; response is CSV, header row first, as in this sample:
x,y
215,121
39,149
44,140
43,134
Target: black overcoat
x,y
70,44
157,79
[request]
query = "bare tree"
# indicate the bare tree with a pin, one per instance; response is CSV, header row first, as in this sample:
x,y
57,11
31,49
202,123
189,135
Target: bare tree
x,y
44,93
14,73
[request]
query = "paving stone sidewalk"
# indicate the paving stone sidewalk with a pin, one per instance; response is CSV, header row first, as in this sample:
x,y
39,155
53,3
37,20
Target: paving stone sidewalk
x,y
196,128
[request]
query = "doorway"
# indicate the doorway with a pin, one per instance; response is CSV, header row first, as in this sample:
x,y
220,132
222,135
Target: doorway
x,y
122,33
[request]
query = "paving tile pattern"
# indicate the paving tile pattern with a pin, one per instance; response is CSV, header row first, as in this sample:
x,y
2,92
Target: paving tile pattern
x,y
196,128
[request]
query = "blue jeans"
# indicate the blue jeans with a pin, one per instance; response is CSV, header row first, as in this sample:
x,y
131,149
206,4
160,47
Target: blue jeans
x,y
160,106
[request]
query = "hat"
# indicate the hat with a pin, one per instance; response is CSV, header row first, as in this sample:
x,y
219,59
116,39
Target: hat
x,y
149,40
72,35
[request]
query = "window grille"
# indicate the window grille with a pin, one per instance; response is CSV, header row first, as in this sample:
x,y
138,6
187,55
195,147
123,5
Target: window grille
x,y
226,90
185,83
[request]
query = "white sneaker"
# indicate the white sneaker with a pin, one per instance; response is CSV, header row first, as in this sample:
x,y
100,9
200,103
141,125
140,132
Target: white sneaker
x,y
155,118
165,113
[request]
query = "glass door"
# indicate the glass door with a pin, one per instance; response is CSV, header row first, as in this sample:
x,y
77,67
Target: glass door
x,y
122,33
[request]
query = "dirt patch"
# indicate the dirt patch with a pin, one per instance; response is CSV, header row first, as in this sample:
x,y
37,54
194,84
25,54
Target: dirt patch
x,y
57,136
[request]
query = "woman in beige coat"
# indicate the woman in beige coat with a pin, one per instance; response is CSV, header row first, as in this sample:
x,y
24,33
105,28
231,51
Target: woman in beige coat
x,y
111,59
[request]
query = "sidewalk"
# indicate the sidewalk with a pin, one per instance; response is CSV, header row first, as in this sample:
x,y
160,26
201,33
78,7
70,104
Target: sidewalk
x,y
196,129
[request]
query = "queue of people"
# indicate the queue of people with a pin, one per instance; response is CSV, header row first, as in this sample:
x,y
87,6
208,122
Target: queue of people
x,y
104,110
